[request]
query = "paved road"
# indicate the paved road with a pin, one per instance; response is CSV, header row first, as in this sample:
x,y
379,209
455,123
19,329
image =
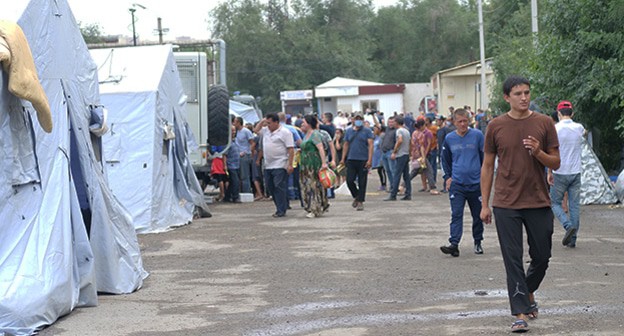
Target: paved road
x,y
376,272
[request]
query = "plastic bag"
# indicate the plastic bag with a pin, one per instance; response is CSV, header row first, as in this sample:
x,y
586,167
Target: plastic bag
x,y
327,178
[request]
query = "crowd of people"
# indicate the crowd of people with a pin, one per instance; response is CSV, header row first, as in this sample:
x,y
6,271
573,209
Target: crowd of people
x,y
537,163
352,144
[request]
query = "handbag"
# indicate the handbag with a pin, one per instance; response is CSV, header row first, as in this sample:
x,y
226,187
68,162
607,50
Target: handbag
x,y
341,170
327,178
418,165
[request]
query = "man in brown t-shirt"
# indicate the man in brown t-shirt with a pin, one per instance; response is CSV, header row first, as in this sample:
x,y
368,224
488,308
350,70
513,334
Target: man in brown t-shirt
x,y
525,143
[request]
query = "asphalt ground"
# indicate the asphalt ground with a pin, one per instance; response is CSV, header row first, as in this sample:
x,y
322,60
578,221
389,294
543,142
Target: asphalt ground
x,y
356,273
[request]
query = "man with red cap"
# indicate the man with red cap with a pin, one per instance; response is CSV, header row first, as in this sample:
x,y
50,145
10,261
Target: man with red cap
x,y
568,177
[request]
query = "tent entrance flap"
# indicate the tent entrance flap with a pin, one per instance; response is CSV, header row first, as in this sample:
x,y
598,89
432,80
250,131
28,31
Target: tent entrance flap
x,y
79,181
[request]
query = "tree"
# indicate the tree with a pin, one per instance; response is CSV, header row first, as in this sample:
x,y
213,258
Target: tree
x,y
91,32
510,40
271,49
578,58
418,38
581,59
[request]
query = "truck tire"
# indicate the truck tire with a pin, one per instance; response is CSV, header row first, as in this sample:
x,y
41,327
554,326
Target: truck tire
x,y
218,116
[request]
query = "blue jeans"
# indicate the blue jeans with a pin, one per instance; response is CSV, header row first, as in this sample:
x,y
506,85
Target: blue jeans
x,y
432,160
571,184
401,169
388,165
459,194
294,189
245,173
277,184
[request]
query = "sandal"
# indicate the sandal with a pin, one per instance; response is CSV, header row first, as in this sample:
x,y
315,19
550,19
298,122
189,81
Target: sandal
x,y
422,190
533,311
519,326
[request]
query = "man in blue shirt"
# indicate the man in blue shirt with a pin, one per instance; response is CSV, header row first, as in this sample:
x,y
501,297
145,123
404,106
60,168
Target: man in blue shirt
x,y
246,145
232,193
462,156
358,154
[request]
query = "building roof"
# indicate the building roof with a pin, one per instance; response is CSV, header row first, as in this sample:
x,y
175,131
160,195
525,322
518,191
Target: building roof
x,y
488,62
341,82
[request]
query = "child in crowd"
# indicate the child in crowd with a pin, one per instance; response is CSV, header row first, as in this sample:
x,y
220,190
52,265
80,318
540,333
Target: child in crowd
x,y
217,170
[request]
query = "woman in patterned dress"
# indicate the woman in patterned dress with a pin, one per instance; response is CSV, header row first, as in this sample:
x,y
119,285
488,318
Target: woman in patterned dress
x,y
313,159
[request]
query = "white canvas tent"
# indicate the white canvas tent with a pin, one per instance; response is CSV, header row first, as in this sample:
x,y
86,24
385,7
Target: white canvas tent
x,y
146,150
49,181
247,112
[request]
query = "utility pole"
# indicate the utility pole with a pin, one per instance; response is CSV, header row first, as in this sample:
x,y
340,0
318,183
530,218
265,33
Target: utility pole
x,y
160,30
534,21
484,98
132,10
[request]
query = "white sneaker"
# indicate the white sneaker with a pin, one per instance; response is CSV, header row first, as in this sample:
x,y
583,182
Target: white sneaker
x,y
310,215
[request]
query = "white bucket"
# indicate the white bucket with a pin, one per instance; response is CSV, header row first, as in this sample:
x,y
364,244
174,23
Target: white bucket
x,y
246,197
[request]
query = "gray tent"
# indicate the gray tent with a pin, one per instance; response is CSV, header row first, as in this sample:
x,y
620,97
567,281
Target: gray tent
x,y
51,184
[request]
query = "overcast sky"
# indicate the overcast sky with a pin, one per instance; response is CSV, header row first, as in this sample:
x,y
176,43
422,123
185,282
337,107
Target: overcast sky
x,y
182,17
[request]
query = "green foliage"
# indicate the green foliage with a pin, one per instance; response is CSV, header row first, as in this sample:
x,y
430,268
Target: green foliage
x,y
408,39
581,59
91,32
272,48
578,57
513,48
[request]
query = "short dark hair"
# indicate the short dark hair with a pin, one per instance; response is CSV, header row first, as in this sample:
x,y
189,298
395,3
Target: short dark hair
x,y
566,112
513,81
420,122
399,120
460,112
272,116
240,120
311,120
329,116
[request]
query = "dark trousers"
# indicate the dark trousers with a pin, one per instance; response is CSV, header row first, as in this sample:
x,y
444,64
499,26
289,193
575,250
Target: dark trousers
x,y
277,184
539,227
459,194
232,193
356,169
244,173
432,158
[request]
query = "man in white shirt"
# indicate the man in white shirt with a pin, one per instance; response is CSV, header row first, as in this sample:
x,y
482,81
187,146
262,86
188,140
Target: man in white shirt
x,y
340,121
278,152
568,177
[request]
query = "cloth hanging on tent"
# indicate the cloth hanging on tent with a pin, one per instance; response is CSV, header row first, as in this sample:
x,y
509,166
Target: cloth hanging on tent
x,y
619,187
596,188
23,79
97,123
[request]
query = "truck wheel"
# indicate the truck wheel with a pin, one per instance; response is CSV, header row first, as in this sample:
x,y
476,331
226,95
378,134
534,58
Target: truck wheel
x,y
218,115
